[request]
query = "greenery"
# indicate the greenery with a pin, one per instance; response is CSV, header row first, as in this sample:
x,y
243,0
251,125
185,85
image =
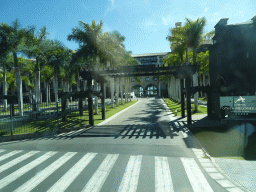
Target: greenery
x,y
51,61
173,105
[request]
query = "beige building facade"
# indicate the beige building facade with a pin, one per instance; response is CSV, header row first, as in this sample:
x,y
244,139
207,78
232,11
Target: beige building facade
x,y
149,85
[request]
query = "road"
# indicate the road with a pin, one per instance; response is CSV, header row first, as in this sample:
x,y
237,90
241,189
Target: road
x,y
139,150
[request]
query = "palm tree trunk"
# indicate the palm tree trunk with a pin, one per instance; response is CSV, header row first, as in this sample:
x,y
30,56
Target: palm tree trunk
x,y
47,93
49,88
19,90
70,92
55,86
4,89
37,87
204,83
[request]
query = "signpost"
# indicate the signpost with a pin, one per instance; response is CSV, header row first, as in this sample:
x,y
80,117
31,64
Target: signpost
x,y
238,105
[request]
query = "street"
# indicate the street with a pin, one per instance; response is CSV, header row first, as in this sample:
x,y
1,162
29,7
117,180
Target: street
x,y
138,150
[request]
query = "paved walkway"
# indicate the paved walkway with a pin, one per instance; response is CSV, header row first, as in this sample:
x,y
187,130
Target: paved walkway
x,y
243,172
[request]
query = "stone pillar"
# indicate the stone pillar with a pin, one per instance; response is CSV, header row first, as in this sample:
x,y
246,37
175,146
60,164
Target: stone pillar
x,y
112,92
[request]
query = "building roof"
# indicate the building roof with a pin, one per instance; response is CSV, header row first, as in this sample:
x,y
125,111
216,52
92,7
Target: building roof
x,y
150,54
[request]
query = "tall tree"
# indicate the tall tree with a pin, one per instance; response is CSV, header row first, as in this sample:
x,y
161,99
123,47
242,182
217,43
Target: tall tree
x,y
194,32
37,49
17,37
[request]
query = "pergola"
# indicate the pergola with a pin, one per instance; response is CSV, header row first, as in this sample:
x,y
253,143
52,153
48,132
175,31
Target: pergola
x,y
180,72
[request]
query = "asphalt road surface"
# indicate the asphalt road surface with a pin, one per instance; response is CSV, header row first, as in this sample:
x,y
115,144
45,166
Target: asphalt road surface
x,y
139,150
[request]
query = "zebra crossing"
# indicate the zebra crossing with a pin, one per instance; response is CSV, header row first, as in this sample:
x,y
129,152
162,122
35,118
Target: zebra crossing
x,y
62,171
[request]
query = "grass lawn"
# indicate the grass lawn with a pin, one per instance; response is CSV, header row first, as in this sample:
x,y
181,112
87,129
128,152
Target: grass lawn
x,y
73,120
172,106
203,98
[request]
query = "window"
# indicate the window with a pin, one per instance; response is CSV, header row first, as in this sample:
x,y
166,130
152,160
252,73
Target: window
x,y
147,78
155,78
133,80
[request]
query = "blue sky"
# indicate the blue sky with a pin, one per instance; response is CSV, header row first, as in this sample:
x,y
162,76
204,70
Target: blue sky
x,y
144,23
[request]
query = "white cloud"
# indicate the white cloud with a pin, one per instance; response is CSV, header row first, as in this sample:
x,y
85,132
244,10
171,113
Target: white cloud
x,y
111,7
206,9
150,23
165,21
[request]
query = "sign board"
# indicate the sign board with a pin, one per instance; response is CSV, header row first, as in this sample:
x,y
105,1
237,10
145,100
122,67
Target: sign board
x,y
239,104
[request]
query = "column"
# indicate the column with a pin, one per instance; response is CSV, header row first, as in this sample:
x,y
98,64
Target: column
x,y
117,91
188,91
112,92
159,89
103,110
182,100
121,88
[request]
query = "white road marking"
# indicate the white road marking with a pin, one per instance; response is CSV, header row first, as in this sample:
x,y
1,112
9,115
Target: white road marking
x,y
42,175
131,175
2,150
99,177
163,175
195,176
63,183
9,155
17,160
16,174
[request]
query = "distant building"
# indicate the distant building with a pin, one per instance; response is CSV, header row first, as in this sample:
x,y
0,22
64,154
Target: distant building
x,y
150,85
232,59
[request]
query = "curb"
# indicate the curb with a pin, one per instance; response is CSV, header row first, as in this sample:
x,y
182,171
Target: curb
x,y
218,176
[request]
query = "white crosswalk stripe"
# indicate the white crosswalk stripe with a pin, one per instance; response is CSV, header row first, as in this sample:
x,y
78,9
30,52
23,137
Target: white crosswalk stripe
x,y
10,178
63,183
195,176
163,175
9,155
131,175
32,183
128,179
17,160
101,174
2,150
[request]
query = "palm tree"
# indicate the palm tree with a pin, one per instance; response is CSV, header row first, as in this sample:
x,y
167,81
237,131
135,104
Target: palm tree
x,y
17,37
6,63
178,43
60,56
47,74
194,32
88,38
37,49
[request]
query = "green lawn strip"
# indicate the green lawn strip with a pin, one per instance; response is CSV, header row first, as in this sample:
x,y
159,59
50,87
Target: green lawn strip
x,y
73,120
202,98
232,157
173,105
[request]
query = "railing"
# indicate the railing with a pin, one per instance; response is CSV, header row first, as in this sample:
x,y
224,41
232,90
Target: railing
x,y
38,117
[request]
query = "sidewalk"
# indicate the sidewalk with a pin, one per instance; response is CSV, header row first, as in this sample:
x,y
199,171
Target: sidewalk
x,y
243,172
